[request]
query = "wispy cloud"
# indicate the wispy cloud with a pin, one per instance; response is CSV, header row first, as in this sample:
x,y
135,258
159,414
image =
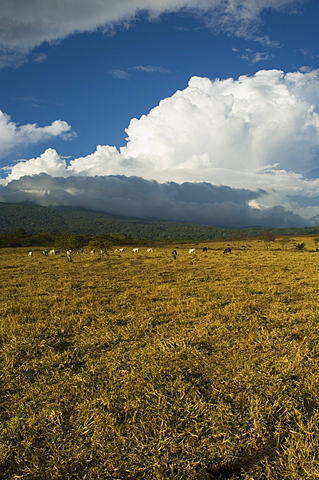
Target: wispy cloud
x,y
267,42
125,74
256,57
11,59
40,57
309,54
149,69
120,74
25,25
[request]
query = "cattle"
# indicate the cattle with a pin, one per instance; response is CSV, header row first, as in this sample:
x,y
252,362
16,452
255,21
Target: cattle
x,y
92,252
69,255
192,250
149,250
227,250
30,253
45,252
135,250
52,252
121,250
174,252
205,249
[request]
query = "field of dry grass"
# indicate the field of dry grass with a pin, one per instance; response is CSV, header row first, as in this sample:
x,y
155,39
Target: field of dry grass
x,y
139,366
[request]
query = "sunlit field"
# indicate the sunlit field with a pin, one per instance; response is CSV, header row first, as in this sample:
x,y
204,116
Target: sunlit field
x,y
142,366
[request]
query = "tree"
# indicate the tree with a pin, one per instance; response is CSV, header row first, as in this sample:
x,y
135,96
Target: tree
x,y
68,241
267,236
100,243
284,241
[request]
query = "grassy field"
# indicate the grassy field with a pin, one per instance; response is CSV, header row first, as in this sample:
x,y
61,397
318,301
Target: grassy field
x,y
139,366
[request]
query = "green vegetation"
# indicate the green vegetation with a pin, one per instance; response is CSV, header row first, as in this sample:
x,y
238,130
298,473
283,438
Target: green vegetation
x,y
27,225
34,219
139,366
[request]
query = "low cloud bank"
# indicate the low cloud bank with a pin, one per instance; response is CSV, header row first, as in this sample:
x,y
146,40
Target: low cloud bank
x,y
132,196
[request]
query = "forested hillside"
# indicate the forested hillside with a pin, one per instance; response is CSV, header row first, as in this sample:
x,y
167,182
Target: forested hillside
x,y
36,219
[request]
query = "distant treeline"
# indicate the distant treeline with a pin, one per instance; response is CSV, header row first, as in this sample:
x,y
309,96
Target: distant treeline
x,y
63,240
29,225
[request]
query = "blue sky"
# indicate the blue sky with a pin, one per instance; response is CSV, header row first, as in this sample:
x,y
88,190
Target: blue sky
x,y
74,79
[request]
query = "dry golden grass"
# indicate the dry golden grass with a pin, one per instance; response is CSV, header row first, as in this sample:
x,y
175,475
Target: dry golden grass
x,y
139,366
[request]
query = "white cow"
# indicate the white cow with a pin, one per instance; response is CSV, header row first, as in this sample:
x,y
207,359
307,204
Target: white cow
x,y
52,252
30,253
192,250
149,250
135,250
121,250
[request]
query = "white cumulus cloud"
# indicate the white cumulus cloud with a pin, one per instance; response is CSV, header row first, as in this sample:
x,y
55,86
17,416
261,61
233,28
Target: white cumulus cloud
x,y
217,126
13,135
242,125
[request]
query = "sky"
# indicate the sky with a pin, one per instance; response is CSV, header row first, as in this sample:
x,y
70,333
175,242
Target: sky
x,y
200,111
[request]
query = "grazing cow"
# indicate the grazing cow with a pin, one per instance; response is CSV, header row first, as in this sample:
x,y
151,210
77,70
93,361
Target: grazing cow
x,y
174,252
121,250
205,249
52,252
227,250
69,255
30,253
135,250
192,250
45,252
149,250
92,252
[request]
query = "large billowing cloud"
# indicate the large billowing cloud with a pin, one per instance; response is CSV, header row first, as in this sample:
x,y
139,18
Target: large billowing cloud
x,y
12,135
258,133
211,130
26,24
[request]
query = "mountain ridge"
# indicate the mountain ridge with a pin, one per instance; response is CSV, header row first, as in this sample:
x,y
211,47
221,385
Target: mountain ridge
x,y
36,218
